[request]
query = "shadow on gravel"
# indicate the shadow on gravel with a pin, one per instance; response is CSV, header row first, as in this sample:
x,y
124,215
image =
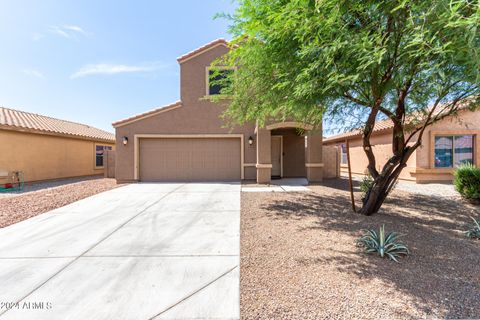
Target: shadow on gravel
x,y
443,271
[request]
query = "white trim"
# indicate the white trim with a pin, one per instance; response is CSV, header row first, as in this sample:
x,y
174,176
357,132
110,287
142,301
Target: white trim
x,y
263,166
249,164
281,152
136,147
314,165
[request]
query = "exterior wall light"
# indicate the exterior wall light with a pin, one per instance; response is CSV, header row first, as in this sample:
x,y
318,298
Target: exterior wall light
x,y
125,140
250,140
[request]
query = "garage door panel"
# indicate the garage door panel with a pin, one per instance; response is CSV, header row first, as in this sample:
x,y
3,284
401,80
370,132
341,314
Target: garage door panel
x,y
190,159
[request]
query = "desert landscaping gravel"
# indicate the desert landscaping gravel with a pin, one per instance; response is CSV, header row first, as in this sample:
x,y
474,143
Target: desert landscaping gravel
x,y
18,207
299,259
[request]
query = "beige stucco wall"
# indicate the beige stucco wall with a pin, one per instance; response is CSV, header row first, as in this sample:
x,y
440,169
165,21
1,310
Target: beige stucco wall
x,y
109,164
196,116
420,166
45,157
331,162
466,123
382,148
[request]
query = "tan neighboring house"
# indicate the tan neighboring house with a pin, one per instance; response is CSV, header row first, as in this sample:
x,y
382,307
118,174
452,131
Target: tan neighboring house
x,y
45,148
188,140
445,145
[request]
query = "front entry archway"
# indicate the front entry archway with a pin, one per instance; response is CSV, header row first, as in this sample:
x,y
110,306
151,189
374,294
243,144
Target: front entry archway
x,y
289,149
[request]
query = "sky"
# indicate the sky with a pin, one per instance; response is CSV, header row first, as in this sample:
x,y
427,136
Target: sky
x,y
96,62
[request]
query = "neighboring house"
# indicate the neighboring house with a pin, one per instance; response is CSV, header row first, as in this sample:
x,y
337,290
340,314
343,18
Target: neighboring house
x,y
445,145
45,148
188,140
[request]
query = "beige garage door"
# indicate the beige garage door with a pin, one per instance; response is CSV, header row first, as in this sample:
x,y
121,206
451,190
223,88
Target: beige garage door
x,y
190,159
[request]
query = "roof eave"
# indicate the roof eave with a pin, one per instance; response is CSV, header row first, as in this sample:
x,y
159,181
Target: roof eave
x,y
147,114
209,46
55,134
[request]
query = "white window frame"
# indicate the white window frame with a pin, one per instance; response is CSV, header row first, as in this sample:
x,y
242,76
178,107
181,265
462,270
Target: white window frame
x,y
103,155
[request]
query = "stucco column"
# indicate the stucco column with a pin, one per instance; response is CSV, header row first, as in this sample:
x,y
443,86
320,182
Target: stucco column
x,y
264,156
314,156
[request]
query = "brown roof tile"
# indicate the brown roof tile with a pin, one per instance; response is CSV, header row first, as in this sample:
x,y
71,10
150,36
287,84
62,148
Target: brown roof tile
x,y
21,120
201,49
379,126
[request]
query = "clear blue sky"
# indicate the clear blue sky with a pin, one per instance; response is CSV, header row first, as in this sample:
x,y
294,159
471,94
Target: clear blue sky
x,y
98,61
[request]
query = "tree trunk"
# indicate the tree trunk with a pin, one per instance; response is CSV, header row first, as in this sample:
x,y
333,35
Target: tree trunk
x,y
376,195
384,183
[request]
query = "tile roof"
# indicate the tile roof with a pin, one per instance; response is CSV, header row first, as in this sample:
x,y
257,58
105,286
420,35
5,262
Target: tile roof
x,y
379,126
388,124
21,120
201,49
147,114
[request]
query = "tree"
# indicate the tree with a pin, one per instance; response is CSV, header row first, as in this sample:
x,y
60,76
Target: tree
x,y
355,63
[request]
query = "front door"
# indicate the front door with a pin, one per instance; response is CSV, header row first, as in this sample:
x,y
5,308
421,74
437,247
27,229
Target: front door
x,y
276,148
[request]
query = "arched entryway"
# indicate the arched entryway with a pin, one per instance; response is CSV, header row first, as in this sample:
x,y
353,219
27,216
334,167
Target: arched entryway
x,y
287,150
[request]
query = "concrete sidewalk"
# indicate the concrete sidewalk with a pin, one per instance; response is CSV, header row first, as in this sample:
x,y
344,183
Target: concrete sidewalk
x,y
143,251
280,185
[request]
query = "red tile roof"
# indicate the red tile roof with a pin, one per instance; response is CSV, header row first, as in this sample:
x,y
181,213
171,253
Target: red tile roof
x,y
147,114
201,49
379,126
25,121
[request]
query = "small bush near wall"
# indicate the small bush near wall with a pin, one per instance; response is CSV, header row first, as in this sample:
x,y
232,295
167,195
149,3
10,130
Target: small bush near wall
x,y
467,182
365,185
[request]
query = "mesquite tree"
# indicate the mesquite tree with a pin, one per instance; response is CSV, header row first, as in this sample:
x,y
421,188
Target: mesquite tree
x,y
355,63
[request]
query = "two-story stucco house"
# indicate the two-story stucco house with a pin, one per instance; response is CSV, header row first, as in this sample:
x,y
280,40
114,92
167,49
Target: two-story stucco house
x,y
188,140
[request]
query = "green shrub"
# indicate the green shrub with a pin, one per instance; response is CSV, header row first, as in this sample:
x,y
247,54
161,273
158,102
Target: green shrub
x,y
365,185
385,245
474,231
467,182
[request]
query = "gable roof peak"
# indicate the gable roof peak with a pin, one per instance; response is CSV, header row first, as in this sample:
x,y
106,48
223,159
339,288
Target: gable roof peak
x,y
208,46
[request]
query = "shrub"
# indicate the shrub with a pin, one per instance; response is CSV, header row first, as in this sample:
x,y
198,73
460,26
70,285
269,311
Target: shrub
x,y
365,185
385,245
474,231
467,182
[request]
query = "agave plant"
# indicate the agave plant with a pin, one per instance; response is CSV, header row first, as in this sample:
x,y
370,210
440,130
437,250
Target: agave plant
x,y
385,245
474,231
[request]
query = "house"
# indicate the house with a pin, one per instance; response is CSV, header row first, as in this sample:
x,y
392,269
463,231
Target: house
x,y
45,148
445,145
188,140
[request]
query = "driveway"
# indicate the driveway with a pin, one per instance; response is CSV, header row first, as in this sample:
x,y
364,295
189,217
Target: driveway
x,y
143,251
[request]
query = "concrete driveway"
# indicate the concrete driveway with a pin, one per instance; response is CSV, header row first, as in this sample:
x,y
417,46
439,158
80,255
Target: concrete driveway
x,y
143,251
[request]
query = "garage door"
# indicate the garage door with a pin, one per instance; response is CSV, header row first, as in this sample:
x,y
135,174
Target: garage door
x,y
190,159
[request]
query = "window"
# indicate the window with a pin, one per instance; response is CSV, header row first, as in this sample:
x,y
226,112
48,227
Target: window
x,y
453,151
218,79
99,150
343,154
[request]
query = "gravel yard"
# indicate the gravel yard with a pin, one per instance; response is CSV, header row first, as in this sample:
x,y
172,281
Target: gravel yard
x,y
429,189
299,259
46,196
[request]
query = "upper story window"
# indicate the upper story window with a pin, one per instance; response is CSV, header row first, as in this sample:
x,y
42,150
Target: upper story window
x,y
453,151
99,153
218,79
